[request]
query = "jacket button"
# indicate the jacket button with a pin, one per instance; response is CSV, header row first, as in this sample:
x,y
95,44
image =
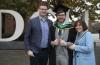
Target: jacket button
x,y
77,56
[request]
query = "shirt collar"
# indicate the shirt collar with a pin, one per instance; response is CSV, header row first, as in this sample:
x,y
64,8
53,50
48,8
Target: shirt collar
x,y
42,18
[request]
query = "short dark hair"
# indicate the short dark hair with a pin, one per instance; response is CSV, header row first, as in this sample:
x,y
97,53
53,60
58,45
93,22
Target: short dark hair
x,y
60,8
60,11
82,23
43,3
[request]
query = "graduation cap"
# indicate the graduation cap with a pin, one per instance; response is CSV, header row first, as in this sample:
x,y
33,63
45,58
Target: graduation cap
x,y
60,8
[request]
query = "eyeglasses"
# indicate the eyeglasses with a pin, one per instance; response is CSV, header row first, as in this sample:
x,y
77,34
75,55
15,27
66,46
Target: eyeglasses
x,y
42,9
61,15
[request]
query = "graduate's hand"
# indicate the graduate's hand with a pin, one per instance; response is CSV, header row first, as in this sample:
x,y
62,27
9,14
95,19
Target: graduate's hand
x,y
63,43
30,53
55,42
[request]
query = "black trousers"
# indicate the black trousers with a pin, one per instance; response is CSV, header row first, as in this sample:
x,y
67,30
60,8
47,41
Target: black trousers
x,y
40,58
52,56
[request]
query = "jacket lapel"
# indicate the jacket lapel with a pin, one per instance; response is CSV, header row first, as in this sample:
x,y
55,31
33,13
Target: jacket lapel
x,y
39,24
79,38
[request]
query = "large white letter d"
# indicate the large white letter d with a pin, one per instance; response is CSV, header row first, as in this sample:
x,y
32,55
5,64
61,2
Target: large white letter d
x,y
19,25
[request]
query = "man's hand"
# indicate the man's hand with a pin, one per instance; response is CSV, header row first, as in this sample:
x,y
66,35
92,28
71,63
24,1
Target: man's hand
x,y
30,53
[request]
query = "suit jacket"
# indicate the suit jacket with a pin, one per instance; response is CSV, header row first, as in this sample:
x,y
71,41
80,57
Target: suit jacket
x,y
33,34
84,50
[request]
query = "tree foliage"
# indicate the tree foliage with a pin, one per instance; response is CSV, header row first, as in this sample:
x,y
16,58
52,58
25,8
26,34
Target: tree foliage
x,y
27,7
82,5
24,7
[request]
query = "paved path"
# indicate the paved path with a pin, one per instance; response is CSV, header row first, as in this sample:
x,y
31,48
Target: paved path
x,y
13,57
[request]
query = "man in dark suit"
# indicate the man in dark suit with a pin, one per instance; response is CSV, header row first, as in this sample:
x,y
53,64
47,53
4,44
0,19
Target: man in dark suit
x,y
38,35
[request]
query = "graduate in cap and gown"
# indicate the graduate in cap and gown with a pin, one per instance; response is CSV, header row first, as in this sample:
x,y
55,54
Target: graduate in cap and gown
x,y
64,34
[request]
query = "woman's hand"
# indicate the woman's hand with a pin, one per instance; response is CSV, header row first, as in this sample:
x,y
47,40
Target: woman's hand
x,y
72,47
69,44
